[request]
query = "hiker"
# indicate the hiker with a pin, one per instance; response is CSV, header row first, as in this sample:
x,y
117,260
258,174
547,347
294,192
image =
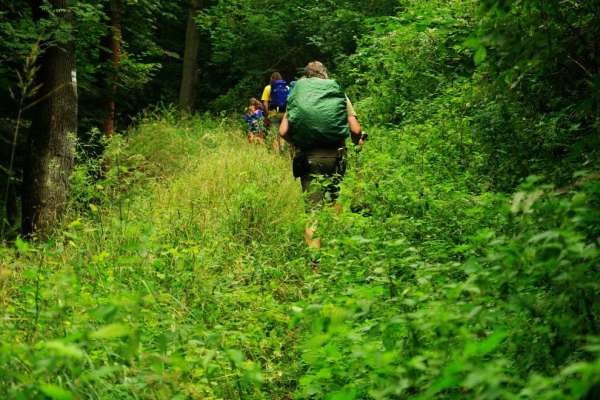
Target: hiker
x,y
318,120
254,117
274,100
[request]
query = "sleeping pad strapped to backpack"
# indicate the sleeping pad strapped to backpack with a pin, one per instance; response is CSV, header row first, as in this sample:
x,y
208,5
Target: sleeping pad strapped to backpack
x,y
317,114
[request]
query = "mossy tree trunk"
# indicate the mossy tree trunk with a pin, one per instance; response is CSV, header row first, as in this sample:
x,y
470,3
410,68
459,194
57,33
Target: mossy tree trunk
x,y
53,131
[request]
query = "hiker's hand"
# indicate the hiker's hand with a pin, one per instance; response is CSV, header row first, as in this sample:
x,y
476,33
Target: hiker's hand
x,y
362,138
357,138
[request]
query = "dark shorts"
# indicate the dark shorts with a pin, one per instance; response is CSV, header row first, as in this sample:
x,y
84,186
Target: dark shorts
x,y
321,172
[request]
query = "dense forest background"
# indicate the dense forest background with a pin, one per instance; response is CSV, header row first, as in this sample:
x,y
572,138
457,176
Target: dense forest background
x,y
465,264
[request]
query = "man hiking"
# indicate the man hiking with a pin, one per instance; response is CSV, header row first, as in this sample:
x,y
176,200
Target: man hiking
x,y
318,120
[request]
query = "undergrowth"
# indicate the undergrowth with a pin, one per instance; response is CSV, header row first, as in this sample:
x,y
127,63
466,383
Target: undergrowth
x,y
463,264
171,282
430,289
181,273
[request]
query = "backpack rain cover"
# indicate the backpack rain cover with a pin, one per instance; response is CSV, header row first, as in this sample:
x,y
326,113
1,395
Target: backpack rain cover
x,y
317,114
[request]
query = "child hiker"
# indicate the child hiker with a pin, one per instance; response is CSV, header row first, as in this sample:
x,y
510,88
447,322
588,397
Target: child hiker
x,y
255,118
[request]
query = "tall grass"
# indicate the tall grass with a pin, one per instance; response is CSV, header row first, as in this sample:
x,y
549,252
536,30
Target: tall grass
x,y
180,272
172,281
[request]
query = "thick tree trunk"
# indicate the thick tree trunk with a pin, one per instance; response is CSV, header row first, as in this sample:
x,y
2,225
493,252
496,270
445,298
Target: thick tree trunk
x,y
52,137
114,44
190,59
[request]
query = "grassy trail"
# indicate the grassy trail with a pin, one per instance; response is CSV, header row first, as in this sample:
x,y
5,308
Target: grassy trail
x,y
176,282
182,274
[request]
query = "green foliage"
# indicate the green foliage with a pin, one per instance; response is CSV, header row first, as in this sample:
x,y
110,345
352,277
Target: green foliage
x,y
430,291
464,263
148,291
543,56
409,58
22,28
436,287
525,97
251,39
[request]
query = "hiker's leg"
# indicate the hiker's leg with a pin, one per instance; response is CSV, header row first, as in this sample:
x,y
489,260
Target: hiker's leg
x,y
313,244
313,191
309,239
338,208
278,141
316,182
333,187
313,196
260,138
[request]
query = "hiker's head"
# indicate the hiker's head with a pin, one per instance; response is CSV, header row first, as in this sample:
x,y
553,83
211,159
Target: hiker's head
x,y
275,76
253,104
315,69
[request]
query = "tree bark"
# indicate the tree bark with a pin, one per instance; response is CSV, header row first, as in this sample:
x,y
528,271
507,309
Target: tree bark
x,y
114,45
190,59
53,132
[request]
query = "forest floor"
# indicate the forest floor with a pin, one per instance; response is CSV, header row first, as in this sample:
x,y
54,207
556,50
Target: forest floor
x,y
181,273
175,279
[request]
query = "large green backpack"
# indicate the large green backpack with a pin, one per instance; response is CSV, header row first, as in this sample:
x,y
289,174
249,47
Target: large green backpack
x,y
317,114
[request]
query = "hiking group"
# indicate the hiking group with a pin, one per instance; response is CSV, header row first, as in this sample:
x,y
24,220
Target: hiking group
x,y
315,117
267,113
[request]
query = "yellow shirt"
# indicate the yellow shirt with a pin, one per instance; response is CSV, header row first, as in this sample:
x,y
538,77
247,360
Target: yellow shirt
x,y
266,97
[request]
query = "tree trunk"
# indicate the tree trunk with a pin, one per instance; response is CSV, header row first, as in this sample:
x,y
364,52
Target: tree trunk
x,y
114,45
190,59
53,131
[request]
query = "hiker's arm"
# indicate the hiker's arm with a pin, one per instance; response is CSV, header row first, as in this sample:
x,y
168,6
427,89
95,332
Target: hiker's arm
x,y
284,127
355,128
356,133
354,125
266,94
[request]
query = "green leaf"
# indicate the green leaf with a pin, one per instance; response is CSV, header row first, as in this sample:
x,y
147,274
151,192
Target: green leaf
x,y
56,392
236,356
480,55
486,346
472,42
22,245
65,350
516,202
111,331
343,395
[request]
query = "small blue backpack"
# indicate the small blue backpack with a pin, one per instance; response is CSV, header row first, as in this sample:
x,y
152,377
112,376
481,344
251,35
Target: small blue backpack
x,y
279,94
